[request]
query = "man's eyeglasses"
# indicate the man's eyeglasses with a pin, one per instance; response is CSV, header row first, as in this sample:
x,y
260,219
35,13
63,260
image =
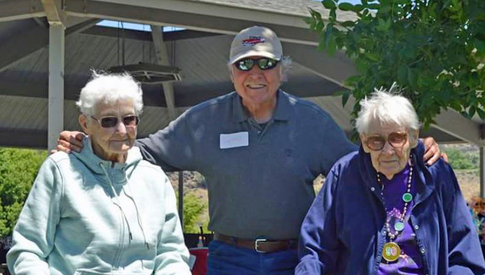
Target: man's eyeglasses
x,y
395,139
247,64
112,121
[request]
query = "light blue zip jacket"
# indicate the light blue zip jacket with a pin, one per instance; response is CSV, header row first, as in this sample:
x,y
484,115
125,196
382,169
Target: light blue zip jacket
x,y
87,216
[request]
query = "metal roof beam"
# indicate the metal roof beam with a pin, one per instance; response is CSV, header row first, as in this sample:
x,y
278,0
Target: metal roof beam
x,y
456,125
290,28
40,90
54,12
162,59
218,9
32,39
335,68
23,138
146,36
186,96
20,9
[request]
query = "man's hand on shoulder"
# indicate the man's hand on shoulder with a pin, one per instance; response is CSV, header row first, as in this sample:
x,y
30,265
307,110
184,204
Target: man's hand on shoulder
x,y
432,151
69,141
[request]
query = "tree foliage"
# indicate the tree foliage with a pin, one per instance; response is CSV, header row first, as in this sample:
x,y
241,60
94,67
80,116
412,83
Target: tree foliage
x,y
193,209
433,49
462,160
18,169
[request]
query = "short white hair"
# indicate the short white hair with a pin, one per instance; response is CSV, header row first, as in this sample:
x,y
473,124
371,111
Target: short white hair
x,y
108,89
386,108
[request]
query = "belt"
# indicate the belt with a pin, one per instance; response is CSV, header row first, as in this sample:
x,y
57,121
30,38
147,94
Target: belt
x,y
260,245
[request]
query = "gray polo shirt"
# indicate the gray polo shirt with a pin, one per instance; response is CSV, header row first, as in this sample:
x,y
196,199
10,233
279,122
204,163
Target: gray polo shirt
x,y
260,180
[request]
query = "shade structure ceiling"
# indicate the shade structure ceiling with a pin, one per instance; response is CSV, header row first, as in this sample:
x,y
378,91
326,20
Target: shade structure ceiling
x,y
199,48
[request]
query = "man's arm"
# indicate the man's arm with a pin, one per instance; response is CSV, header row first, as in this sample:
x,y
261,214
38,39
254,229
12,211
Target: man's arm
x,y
172,148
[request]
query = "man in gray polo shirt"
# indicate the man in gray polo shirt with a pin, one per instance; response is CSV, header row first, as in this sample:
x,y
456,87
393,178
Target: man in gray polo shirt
x,y
259,150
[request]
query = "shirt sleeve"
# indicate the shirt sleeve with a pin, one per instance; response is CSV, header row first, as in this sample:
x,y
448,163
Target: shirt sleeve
x,y
335,144
33,236
171,148
318,245
173,255
465,255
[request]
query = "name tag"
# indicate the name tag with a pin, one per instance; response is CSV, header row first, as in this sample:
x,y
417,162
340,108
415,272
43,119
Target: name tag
x,y
234,140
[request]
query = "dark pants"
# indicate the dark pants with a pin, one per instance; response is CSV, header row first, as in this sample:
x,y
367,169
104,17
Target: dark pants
x,y
225,259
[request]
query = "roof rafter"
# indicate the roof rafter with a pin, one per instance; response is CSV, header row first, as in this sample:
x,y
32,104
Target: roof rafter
x,y
32,39
294,30
20,9
54,12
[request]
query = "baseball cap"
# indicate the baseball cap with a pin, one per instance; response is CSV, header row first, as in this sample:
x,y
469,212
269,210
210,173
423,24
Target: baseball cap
x,y
255,41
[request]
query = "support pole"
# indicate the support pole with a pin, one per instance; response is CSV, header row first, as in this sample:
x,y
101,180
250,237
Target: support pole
x,y
168,91
56,84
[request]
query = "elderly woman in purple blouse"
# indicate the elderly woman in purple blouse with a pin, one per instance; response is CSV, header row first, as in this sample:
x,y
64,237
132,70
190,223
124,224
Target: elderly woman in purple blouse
x,y
383,211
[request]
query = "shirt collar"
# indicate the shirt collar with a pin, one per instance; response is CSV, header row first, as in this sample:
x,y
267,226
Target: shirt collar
x,y
283,110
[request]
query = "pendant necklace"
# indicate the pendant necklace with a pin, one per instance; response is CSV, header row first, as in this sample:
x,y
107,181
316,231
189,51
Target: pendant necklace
x,y
392,250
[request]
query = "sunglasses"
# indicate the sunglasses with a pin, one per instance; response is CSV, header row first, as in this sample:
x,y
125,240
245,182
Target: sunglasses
x,y
247,64
395,139
112,121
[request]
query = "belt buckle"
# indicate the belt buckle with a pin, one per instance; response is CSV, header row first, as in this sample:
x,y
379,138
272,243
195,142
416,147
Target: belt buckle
x,y
256,243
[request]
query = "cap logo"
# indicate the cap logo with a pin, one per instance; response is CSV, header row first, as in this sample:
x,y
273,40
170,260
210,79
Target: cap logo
x,y
253,40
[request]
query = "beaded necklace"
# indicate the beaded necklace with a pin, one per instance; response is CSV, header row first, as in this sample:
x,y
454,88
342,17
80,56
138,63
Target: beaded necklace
x,y
392,250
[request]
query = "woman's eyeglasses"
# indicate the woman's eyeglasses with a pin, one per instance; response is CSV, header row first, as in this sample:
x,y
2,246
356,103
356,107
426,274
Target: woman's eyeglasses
x,y
112,121
263,63
395,139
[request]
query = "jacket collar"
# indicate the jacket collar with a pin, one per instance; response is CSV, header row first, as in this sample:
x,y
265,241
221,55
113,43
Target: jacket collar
x,y
94,163
283,111
424,181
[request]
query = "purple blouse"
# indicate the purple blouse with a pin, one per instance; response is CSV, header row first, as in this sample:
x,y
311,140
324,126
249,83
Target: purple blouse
x,y
410,261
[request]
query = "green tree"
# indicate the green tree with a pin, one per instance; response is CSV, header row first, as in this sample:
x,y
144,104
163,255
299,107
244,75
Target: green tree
x,y
193,209
460,160
433,49
18,169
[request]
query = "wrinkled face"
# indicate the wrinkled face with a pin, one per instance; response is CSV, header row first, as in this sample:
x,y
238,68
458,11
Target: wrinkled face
x,y
111,143
257,87
389,160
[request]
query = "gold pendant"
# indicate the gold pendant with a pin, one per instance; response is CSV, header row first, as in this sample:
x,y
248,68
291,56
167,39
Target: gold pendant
x,y
391,251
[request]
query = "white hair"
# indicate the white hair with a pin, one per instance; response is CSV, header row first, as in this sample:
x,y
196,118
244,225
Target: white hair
x,y
108,89
285,64
386,108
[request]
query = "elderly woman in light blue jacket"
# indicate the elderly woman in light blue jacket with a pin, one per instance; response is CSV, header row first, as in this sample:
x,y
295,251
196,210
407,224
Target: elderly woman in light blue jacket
x,y
104,210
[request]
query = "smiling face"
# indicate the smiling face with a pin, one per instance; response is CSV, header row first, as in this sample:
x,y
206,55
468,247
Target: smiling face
x,y
257,87
389,160
110,143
